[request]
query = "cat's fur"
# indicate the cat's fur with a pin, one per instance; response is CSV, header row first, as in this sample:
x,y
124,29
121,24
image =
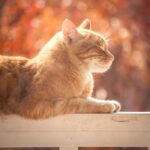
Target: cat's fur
x,y
58,80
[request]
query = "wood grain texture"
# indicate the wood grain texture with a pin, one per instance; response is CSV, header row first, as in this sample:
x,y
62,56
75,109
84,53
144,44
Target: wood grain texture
x,y
124,129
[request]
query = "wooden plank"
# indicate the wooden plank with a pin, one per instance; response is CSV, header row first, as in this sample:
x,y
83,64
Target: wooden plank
x,y
74,139
79,122
77,130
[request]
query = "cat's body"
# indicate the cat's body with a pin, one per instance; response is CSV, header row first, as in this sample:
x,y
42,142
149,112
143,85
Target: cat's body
x,y
58,80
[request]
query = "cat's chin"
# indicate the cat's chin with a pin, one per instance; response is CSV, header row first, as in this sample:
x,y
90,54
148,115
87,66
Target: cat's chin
x,y
98,68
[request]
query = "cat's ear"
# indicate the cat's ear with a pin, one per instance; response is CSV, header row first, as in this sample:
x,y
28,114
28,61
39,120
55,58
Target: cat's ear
x,y
86,24
70,32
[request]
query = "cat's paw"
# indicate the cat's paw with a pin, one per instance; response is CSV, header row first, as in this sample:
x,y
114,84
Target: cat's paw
x,y
117,105
111,106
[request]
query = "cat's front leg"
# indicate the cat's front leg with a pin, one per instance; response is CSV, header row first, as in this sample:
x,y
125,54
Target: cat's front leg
x,y
110,105
103,106
86,105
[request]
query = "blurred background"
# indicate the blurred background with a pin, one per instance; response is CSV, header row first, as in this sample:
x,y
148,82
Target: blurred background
x,y
26,25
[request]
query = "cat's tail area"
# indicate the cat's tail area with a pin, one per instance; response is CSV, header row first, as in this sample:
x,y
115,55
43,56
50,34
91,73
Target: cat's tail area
x,y
39,110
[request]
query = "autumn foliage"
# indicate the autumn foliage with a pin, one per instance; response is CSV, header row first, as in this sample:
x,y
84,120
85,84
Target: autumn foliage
x,y
26,25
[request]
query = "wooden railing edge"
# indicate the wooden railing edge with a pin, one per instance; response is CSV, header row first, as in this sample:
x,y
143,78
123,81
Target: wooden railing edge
x,y
123,129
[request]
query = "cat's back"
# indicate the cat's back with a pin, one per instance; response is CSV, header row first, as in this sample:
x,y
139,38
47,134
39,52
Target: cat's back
x,y
15,68
12,68
10,72
9,63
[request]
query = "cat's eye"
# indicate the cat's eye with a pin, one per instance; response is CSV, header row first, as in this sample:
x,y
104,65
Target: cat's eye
x,y
102,45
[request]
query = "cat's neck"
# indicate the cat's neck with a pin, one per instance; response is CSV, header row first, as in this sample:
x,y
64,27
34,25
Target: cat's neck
x,y
45,55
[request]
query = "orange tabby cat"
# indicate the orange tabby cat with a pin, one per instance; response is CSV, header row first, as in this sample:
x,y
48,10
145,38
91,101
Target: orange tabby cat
x,y
58,80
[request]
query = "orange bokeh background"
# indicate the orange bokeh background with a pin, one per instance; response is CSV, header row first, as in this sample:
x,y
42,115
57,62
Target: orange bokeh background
x,y
26,25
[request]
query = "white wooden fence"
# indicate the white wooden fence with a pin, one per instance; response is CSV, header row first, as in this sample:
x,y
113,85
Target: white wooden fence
x,y
124,129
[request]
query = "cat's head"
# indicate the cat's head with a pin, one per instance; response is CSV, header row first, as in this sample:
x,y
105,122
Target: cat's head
x,y
88,47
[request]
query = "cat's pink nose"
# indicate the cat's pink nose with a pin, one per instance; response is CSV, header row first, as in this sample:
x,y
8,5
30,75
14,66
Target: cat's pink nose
x,y
111,57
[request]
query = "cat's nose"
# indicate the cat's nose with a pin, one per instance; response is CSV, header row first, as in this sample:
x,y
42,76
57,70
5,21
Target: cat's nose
x,y
111,57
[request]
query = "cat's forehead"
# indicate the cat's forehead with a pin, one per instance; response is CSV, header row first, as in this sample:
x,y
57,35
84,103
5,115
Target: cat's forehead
x,y
92,36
